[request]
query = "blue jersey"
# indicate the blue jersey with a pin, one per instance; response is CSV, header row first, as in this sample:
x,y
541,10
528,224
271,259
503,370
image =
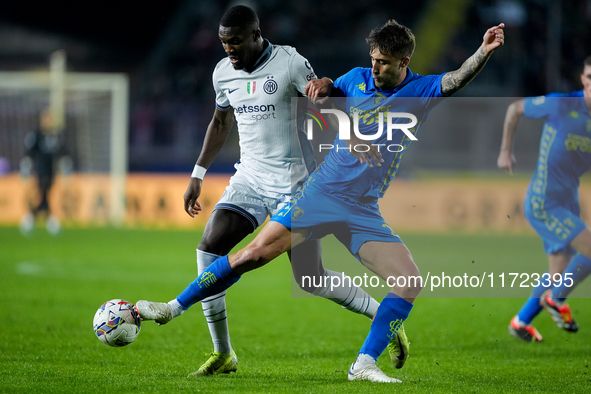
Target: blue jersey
x,y
565,146
341,172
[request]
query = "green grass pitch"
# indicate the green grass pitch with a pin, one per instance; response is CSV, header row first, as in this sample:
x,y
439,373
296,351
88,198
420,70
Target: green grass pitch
x,y
51,288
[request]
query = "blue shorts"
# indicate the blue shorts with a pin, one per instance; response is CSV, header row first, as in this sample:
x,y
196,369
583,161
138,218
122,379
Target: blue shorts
x,y
557,223
352,222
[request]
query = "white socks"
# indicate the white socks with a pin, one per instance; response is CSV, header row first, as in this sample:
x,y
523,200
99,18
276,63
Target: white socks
x,y
177,309
363,360
214,309
347,295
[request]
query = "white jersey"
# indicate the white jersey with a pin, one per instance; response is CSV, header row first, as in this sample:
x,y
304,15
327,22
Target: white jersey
x,y
273,157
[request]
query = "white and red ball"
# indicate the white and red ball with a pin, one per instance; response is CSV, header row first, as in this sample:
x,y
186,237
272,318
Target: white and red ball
x,y
116,323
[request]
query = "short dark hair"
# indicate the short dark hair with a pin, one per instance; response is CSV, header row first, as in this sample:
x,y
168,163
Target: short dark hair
x,y
240,16
587,61
392,39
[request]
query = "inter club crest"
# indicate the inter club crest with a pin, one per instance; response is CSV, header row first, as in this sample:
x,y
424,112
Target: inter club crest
x,y
270,85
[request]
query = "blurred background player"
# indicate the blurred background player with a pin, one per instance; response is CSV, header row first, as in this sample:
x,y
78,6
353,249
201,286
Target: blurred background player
x,y
552,200
255,84
43,147
341,196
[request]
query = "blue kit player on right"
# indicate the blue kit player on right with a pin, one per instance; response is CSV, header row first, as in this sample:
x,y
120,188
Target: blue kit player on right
x,y
552,201
341,196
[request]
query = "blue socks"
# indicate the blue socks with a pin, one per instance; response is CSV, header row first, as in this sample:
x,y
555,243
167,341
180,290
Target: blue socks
x,y
392,312
532,307
215,279
580,267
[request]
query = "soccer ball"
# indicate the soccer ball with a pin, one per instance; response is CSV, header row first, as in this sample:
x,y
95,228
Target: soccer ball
x,y
116,323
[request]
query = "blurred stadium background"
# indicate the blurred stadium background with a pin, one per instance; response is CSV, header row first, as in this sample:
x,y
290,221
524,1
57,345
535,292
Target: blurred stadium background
x,y
166,52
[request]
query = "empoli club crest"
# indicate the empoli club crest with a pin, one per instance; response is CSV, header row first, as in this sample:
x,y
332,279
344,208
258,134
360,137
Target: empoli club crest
x,y
208,278
297,213
394,327
378,98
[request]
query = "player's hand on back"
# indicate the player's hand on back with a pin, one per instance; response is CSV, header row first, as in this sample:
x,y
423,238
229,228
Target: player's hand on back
x,y
506,161
371,157
318,90
493,38
192,206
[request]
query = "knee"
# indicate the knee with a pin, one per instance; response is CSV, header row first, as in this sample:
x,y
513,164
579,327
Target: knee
x,y
206,246
249,258
406,280
213,245
585,250
251,254
306,283
415,282
309,277
582,243
408,270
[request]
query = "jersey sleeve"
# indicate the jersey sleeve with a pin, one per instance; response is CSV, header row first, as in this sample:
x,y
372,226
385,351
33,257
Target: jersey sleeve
x,y
428,90
343,84
427,87
340,86
221,100
300,71
544,106
433,86
540,107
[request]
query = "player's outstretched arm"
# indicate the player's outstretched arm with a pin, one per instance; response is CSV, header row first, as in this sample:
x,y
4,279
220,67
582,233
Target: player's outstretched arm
x,y
456,80
217,132
506,160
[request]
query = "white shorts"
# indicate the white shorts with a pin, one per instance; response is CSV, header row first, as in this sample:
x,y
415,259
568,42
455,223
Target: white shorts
x,y
255,204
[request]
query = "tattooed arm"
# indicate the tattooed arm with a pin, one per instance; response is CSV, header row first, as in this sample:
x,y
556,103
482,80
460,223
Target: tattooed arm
x,y
456,80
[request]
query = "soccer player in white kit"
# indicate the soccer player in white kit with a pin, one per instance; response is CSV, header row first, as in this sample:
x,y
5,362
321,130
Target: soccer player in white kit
x,y
255,84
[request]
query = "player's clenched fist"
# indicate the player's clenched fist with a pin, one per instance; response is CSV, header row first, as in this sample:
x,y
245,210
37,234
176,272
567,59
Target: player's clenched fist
x,y
506,161
318,90
493,38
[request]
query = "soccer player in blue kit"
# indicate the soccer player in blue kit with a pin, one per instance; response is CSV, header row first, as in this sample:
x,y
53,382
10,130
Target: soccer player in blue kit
x,y
552,201
341,196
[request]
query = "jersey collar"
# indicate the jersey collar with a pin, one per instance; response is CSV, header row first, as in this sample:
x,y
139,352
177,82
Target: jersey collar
x,y
264,56
372,87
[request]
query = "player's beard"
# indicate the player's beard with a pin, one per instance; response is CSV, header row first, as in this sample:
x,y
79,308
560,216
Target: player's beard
x,y
378,81
383,82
